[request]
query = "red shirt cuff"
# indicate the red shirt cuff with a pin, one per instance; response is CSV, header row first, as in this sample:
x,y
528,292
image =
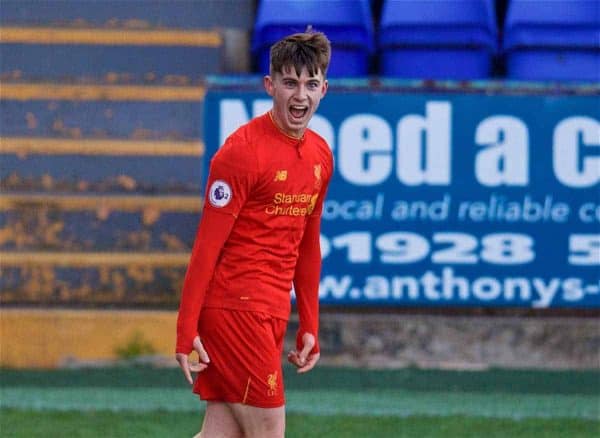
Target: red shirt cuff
x,y
300,345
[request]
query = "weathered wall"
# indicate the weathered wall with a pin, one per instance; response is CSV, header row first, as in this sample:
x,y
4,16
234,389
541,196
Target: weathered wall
x,y
388,340
54,338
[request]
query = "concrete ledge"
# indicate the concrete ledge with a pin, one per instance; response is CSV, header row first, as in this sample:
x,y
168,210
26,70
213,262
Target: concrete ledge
x,y
48,338
460,342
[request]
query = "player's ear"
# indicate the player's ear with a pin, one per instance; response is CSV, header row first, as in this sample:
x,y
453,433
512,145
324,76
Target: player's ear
x,y
268,84
324,87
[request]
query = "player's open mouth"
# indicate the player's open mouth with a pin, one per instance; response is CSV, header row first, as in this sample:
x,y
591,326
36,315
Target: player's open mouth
x,y
298,111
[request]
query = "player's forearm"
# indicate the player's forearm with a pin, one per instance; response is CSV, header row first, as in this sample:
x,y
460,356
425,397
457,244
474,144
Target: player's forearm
x,y
306,282
212,233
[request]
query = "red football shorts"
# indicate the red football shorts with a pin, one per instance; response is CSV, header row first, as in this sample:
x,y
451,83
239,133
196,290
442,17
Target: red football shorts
x,y
245,351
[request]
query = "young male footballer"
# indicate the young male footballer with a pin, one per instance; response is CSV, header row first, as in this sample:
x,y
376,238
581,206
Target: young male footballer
x,y
258,235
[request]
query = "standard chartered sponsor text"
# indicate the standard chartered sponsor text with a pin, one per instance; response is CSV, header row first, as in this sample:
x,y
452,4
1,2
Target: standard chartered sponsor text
x,y
288,198
285,204
446,286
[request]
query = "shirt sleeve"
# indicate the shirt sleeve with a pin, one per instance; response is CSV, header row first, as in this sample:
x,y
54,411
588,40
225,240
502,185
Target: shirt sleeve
x,y
306,283
212,233
231,177
308,272
229,183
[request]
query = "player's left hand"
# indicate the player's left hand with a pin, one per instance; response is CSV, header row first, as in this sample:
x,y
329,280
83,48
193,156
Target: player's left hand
x,y
303,360
188,367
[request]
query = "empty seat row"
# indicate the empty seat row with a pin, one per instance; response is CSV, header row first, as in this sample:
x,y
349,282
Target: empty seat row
x,y
443,39
553,40
347,24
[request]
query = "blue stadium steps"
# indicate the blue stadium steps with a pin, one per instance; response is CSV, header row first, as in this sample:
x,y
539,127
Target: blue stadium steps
x,y
146,40
100,192
95,250
555,40
97,282
437,39
134,120
62,62
97,247
94,223
181,14
131,174
101,144
73,145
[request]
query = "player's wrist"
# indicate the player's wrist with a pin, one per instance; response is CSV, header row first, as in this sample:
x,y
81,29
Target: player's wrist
x,y
300,341
182,350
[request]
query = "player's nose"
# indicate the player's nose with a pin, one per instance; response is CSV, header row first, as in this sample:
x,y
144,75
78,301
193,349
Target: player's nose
x,y
301,93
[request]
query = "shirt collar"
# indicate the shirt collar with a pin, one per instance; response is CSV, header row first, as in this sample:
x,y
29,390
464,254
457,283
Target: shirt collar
x,y
291,139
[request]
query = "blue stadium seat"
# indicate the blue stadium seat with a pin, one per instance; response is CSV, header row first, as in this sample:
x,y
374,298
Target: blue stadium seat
x,y
347,23
557,40
437,39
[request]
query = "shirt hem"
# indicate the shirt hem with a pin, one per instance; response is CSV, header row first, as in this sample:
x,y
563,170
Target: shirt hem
x,y
246,307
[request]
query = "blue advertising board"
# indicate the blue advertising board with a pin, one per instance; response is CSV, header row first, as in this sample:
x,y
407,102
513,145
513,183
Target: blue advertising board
x,y
451,199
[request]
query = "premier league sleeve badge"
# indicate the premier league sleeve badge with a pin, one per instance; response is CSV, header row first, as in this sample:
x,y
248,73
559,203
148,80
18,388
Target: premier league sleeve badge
x,y
219,194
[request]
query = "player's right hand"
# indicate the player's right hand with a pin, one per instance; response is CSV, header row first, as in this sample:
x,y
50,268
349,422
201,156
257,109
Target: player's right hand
x,y
303,360
188,367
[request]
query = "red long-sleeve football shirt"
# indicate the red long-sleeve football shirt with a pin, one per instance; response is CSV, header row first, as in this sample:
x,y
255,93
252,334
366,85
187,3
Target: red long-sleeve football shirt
x,y
260,228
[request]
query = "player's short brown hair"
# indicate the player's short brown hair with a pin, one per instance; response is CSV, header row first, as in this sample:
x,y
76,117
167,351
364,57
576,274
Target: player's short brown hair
x,y
308,49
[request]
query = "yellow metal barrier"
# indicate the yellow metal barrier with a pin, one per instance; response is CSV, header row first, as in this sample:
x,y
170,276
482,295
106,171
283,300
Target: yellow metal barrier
x,y
49,338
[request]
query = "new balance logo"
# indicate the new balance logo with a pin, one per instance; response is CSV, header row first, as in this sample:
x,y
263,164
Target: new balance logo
x,y
280,175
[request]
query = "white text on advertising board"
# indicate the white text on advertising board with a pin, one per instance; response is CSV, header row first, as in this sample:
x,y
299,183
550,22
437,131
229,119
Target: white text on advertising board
x,y
417,149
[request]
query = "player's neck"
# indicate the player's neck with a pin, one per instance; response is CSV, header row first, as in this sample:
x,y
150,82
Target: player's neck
x,y
295,135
